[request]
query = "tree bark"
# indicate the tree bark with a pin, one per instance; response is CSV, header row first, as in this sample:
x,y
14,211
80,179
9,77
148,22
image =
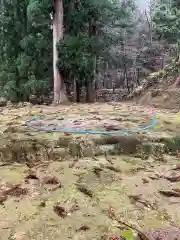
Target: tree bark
x,y
59,86
78,91
90,88
90,93
75,90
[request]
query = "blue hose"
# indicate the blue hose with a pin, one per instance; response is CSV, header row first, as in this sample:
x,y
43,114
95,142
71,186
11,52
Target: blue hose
x,y
153,123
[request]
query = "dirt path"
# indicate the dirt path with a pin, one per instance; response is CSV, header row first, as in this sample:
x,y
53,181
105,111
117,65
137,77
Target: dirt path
x,y
59,186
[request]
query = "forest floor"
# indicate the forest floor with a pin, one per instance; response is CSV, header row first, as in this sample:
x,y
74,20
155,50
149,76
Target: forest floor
x,y
69,186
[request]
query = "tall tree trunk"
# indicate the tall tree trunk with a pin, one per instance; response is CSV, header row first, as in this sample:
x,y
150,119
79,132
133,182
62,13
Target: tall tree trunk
x,y
59,86
90,88
127,79
90,93
74,90
78,91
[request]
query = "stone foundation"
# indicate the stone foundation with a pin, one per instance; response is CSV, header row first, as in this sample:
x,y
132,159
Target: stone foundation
x,y
108,95
105,95
102,95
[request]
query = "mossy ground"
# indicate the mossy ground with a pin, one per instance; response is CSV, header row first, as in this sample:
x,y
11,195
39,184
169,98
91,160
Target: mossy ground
x,y
95,172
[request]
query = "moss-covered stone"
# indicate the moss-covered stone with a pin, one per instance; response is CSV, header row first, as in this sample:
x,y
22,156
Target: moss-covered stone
x,y
63,141
128,145
154,149
155,93
23,148
59,154
172,144
75,148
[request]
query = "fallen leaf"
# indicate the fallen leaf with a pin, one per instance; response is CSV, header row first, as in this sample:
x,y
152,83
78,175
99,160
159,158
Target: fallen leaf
x,y
145,180
3,198
97,171
111,128
177,167
83,228
32,164
60,211
50,180
138,198
42,204
84,189
111,212
93,112
169,193
67,134
173,179
176,190
32,176
155,177
51,189
15,190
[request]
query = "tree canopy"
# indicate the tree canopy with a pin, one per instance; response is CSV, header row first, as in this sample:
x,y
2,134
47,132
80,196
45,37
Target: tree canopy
x,y
166,20
95,38
90,29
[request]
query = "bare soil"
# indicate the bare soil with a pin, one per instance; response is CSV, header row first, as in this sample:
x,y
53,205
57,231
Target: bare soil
x,y
66,186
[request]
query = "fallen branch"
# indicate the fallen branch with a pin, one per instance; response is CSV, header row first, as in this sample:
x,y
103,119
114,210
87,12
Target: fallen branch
x,y
112,215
